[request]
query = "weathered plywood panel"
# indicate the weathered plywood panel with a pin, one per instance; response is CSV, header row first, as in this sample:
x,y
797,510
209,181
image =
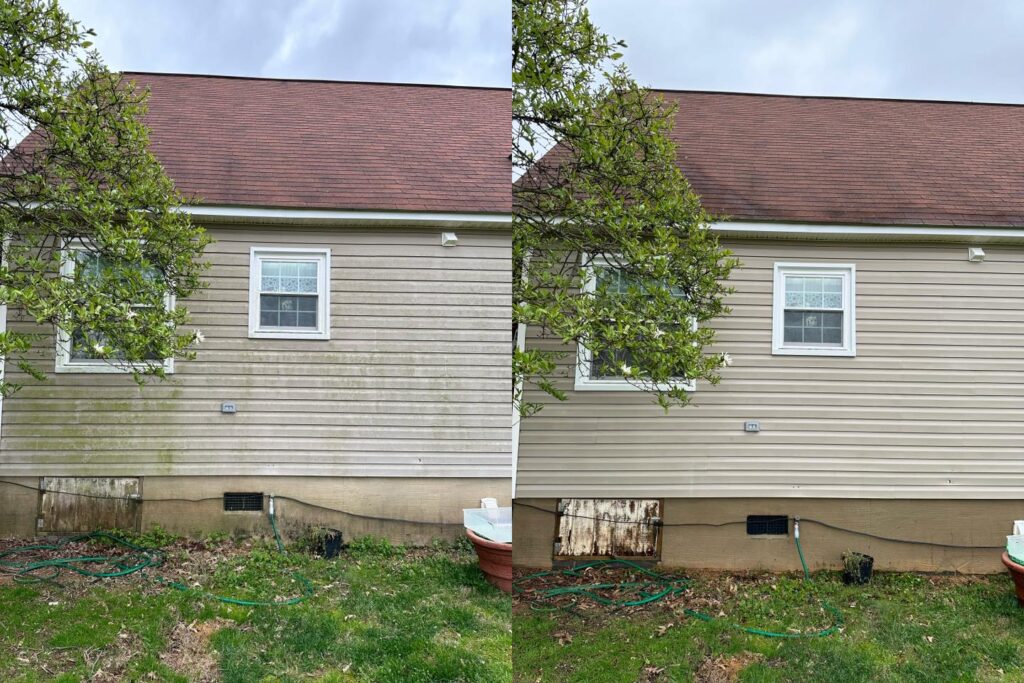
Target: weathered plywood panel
x,y
608,528
415,380
929,407
79,504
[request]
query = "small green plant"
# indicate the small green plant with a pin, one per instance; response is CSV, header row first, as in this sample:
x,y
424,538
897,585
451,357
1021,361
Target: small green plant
x,y
155,537
216,538
375,546
856,567
311,539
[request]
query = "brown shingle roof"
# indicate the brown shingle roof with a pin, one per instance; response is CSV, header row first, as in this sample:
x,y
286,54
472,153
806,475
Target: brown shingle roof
x,y
332,145
845,160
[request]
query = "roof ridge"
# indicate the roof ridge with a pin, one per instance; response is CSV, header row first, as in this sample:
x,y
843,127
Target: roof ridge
x,y
833,97
310,80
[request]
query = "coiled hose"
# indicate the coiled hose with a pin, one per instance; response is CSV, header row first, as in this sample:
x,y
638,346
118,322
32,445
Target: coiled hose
x,y
138,559
655,586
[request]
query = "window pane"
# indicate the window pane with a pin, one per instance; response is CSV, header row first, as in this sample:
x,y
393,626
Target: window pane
x,y
813,292
608,364
831,300
290,311
288,277
813,327
832,335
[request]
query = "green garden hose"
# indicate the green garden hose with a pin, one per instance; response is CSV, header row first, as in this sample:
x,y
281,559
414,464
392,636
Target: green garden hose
x,y
655,586
111,566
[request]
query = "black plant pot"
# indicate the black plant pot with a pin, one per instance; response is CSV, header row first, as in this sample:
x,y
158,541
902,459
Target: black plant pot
x,y
330,544
857,568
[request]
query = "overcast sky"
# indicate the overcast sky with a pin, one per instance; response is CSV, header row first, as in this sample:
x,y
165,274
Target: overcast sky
x,y
932,49
458,42
943,49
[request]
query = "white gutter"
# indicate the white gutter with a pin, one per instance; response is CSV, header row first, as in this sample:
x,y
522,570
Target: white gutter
x,y
835,231
248,214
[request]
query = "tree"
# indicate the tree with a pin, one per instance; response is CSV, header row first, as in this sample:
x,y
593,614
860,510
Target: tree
x,y
94,243
611,247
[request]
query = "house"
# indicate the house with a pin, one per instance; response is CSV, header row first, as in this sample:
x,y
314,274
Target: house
x,y
382,390
877,382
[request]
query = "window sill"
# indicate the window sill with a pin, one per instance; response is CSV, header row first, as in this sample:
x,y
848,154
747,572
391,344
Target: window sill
x,y
101,369
282,334
812,351
622,385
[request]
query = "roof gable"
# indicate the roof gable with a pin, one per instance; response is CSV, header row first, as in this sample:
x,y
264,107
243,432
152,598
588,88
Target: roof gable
x,y
846,160
332,145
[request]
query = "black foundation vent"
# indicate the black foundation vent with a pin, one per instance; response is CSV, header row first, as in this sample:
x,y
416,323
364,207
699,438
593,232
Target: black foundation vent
x,y
767,525
243,502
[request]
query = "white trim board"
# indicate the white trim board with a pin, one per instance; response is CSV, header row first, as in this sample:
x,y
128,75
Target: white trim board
x,y
874,233
250,214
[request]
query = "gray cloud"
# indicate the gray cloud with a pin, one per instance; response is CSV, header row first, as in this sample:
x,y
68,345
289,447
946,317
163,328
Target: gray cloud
x,y
929,49
458,42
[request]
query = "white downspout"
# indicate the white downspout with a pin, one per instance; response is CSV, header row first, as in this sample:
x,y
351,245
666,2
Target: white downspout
x,y
520,343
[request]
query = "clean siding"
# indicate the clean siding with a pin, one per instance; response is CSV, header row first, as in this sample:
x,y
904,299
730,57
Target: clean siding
x,y
415,380
932,406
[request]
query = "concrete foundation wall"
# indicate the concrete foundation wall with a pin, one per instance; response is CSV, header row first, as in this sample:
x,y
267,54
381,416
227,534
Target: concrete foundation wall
x,y
431,508
958,522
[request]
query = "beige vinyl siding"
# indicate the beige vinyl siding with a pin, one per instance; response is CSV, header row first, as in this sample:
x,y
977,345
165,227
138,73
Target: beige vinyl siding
x,y
415,380
932,406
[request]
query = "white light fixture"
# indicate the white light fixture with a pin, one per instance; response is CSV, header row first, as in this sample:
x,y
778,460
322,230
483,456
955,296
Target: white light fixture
x,y
975,254
449,239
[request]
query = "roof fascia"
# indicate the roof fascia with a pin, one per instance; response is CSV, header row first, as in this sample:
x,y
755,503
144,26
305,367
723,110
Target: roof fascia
x,y
867,233
212,213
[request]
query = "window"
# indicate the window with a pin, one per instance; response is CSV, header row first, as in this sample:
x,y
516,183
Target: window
x,y
77,348
289,293
591,371
813,310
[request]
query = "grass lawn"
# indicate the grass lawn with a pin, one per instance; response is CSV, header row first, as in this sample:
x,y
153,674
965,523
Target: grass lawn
x,y
901,627
379,613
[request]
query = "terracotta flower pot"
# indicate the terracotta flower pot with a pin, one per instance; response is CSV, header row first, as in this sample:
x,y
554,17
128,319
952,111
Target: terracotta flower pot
x,y
1017,573
495,561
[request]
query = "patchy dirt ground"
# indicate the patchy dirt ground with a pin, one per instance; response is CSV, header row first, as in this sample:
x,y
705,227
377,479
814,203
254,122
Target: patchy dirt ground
x,y
378,612
189,653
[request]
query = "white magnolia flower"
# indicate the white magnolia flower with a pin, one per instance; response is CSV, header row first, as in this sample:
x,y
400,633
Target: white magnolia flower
x,y
657,332
199,336
626,370
99,348
726,360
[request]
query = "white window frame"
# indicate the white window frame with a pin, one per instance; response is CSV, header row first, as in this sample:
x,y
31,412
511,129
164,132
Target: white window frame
x,y
64,363
848,271
584,357
323,316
